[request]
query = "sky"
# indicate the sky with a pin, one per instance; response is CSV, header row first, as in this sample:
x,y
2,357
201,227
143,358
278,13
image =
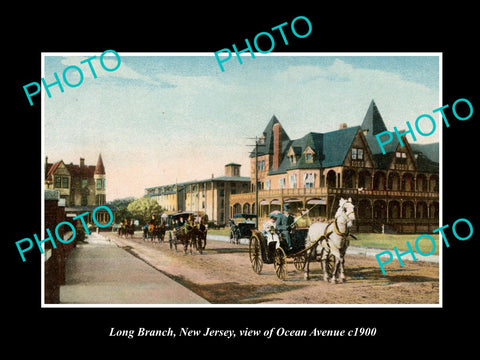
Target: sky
x,y
164,118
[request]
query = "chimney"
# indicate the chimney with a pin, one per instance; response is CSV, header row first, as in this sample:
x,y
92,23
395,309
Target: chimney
x,y
82,162
343,126
277,146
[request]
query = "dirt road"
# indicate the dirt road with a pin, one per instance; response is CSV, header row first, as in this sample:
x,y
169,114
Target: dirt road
x,y
223,275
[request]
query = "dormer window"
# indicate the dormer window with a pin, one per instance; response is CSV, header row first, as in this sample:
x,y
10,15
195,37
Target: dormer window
x,y
309,155
293,155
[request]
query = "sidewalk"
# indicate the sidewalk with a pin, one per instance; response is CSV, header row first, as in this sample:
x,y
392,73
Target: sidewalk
x,y
100,272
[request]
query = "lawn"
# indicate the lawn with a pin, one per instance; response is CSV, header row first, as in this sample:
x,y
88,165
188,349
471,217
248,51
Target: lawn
x,y
379,241
388,241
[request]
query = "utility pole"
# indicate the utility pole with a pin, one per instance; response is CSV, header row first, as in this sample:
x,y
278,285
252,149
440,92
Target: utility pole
x,y
256,180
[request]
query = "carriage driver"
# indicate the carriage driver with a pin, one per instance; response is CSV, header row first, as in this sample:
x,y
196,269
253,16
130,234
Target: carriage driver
x,y
152,221
283,224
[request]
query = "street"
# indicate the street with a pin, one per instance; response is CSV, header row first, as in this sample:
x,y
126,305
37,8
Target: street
x,y
223,275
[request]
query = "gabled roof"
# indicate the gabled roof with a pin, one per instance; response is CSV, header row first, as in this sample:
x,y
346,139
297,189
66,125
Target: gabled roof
x,y
86,171
50,170
431,151
336,145
330,149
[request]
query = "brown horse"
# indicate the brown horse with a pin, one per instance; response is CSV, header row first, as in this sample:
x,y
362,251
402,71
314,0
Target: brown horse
x,y
192,235
126,230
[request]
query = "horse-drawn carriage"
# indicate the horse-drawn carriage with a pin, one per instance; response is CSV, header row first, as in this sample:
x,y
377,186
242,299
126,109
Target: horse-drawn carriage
x,y
126,227
269,247
154,230
190,229
326,242
241,228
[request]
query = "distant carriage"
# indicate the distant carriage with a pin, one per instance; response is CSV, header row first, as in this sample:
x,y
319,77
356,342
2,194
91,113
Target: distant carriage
x,y
241,226
126,228
152,231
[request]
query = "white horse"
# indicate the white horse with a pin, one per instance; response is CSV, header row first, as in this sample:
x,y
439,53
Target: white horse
x,y
333,239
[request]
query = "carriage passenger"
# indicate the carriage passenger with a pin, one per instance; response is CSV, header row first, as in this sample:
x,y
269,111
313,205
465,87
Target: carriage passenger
x,y
180,223
268,230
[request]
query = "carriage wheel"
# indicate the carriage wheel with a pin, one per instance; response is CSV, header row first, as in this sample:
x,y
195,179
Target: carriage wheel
x,y
255,254
280,263
299,261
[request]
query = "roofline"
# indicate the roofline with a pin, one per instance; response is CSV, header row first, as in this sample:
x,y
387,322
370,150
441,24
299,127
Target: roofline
x,y
216,179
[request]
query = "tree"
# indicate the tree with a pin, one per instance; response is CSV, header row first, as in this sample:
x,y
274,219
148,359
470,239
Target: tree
x,y
119,208
143,208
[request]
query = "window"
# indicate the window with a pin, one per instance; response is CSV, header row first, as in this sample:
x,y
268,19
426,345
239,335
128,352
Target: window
x,y
360,154
293,181
357,154
99,183
309,180
261,165
308,158
84,183
267,184
64,182
282,183
58,181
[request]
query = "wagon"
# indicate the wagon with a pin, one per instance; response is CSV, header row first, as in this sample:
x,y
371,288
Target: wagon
x,y
276,252
241,228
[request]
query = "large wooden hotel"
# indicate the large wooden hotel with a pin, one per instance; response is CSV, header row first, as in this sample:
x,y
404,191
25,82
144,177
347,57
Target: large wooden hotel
x,y
398,191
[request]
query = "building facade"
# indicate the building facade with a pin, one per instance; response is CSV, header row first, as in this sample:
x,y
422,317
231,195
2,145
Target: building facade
x,y
82,187
399,190
209,197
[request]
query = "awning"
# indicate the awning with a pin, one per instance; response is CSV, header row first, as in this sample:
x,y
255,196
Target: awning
x,y
316,201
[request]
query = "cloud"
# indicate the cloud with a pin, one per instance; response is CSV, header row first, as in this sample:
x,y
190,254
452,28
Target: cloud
x,y
123,71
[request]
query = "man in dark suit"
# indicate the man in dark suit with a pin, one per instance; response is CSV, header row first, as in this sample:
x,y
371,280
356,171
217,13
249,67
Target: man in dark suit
x,y
283,224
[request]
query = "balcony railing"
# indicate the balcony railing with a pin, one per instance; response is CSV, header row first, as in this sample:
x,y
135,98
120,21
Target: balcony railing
x,y
325,191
